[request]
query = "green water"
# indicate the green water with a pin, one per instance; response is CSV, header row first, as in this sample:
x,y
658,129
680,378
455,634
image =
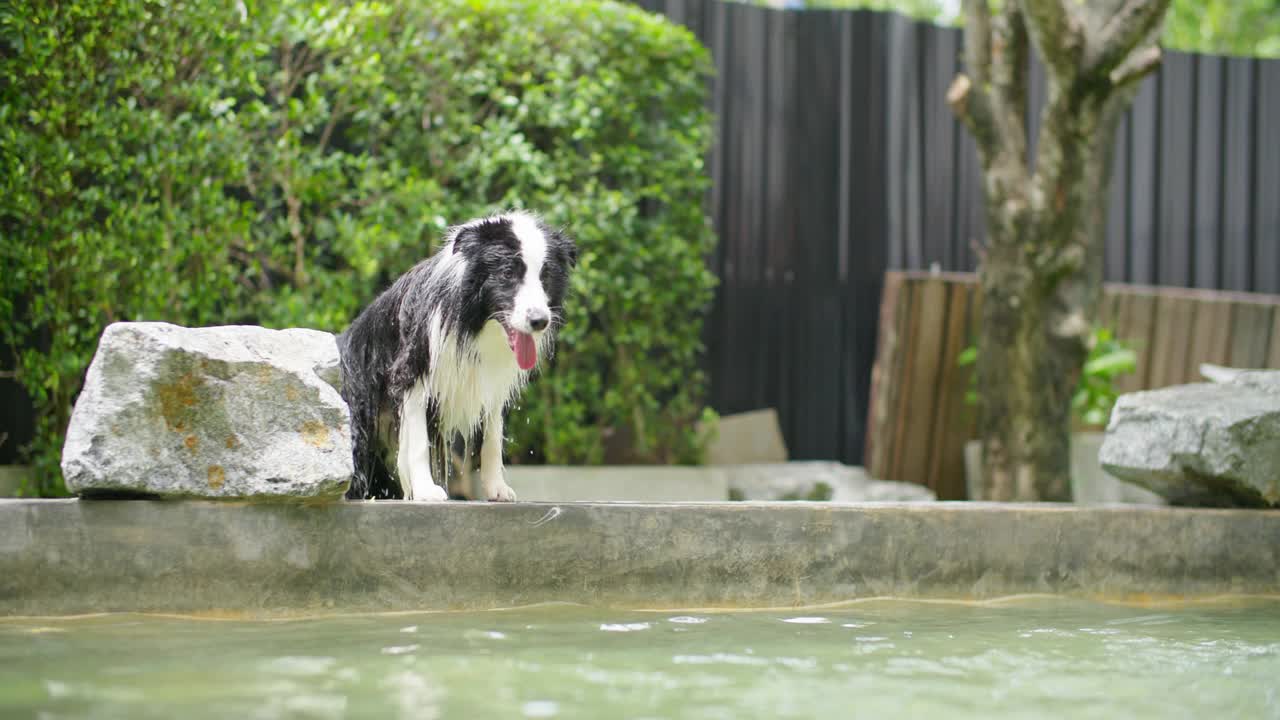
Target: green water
x,y
1038,658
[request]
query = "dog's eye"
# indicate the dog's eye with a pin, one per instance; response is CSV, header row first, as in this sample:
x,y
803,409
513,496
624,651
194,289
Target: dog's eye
x,y
515,271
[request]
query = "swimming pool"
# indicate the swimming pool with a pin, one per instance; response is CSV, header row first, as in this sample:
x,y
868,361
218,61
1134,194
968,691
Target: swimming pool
x,y
1028,657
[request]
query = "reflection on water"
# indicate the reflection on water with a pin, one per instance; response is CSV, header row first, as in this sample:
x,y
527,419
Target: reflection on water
x,y
1036,658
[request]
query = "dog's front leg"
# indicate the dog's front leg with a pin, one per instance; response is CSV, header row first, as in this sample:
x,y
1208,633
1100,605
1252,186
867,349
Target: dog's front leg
x,y
492,484
413,457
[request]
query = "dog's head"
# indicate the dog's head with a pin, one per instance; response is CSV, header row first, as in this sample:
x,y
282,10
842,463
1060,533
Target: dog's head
x,y
515,272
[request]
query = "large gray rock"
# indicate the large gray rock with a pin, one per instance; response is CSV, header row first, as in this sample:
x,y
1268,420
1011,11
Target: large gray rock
x,y
222,412
1201,444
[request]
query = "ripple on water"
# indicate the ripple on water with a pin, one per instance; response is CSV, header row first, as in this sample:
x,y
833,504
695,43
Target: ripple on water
x,y
539,709
299,665
807,620
624,627
399,649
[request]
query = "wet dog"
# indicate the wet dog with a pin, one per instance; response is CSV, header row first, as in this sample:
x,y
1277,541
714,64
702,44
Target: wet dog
x,y
431,365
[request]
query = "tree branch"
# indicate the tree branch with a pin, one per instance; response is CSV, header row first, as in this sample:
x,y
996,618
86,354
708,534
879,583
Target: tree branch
x,y
1009,77
1136,66
1130,25
973,108
977,41
1058,34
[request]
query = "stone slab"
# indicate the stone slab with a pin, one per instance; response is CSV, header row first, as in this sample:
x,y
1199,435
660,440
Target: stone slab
x,y
62,557
819,480
12,478
711,483
749,437
628,483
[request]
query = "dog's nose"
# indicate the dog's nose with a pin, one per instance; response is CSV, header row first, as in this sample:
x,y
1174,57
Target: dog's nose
x,y
539,319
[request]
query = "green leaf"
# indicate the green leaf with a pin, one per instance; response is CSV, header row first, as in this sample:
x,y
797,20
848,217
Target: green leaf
x,y
1116,362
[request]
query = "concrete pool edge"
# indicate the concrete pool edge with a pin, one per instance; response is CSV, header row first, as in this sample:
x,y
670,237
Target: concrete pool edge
x,y
66,557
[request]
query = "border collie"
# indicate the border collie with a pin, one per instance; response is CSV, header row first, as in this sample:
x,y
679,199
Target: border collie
x,y
431,365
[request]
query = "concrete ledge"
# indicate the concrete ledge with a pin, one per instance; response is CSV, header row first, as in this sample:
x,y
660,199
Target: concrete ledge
x,y
65,557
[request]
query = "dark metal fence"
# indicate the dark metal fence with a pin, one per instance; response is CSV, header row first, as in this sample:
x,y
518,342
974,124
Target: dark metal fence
x,y
838,159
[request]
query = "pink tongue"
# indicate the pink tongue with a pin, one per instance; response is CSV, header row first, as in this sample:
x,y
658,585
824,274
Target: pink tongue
x,y
526,351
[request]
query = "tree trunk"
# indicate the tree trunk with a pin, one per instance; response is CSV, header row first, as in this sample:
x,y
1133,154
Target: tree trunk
x,y
1041,268
1026,376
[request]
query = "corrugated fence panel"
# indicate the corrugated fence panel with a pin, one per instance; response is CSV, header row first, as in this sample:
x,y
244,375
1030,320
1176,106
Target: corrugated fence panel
x,y
837,159
1266,191
1207,175
1237,187
1173,265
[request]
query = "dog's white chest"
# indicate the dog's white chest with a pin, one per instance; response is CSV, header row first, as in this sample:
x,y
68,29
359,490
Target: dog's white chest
x,y
467,384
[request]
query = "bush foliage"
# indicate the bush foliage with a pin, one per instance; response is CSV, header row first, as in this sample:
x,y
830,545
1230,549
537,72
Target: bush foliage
x,y
279,162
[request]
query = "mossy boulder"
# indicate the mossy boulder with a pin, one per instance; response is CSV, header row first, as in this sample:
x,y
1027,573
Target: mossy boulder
x,y
216,412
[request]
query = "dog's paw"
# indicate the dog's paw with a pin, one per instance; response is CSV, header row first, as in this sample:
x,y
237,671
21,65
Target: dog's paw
x,y
428,492
500,492
434,493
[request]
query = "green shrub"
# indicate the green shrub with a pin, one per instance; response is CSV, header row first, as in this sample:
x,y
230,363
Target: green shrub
x,y
281,161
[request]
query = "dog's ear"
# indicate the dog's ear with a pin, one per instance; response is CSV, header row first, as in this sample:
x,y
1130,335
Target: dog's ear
x,y
568,247
465,239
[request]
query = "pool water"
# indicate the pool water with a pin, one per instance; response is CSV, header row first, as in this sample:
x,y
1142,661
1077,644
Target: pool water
x,y
1027,658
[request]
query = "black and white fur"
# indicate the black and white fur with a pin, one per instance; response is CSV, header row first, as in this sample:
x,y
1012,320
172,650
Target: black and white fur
x,y
430,366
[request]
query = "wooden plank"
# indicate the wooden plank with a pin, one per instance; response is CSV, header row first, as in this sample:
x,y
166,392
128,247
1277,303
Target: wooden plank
x,y
1237,186
1210,338
946,456
1273,356
1108,309
969,419
1168,362
1207,183
1175,201
882,404
1137,316
921,386
901,379
1250,334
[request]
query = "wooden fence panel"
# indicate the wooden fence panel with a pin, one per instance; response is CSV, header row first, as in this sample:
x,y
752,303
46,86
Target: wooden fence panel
x,y
920,421
1250,336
